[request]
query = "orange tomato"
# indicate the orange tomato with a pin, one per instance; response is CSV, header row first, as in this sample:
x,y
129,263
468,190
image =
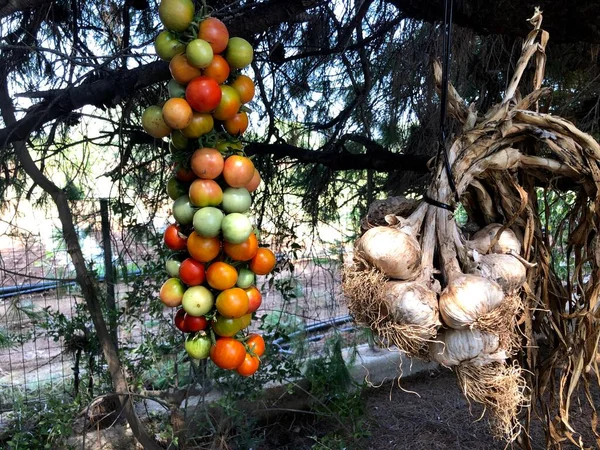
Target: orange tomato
x,y
244,251
232,303
177,113
227,353
200,124
238,171
221,276
237,124
244,86
249,366
218,69
181,70
263,262
255,344
207,163
203,249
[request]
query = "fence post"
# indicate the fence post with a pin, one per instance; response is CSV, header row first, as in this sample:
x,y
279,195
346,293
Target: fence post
x,y
108,270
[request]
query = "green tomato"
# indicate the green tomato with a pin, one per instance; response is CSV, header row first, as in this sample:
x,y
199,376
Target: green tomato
x,y
183,210
175,89
236,228
245,278
226,327
199,53
197,300
176,188
167,45
198,347
239,53
153,122
172,264
207,221
176,15
236,200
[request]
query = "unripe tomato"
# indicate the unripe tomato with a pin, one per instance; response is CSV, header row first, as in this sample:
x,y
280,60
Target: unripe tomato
x,y
183,210
238,171
167,45
245,320
174,239
175,89
203,249
244,86
197,300
245,280
192,272
198,347
203,94
229,104
207,163
178,140
224,326
207,221
215,33
263,262
153,122
181,70
177,113
255,344
205,193
218,69
199,53
176,188
172,292
236,228
237,125
239,53
201,124
221,276
249,366
176,15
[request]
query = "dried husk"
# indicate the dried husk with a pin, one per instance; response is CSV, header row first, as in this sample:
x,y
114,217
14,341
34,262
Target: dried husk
x,y
506,270
392,251
467,299
483,239
473,347
412,303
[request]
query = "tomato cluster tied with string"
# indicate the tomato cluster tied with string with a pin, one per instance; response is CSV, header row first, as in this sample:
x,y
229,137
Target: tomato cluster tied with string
x,y
217,256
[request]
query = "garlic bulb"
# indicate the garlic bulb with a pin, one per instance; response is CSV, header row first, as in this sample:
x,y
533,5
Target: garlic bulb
x,y
506,270
468,297
474,347
394,252
482,240
411,303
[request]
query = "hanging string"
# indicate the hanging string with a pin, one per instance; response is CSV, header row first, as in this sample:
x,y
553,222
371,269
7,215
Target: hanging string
x,y
442,150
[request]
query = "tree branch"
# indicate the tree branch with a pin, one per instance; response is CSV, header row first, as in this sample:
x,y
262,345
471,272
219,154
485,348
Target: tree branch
x,y
8,7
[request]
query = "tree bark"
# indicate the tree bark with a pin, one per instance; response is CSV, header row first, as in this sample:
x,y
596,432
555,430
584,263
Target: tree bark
x,y
85,280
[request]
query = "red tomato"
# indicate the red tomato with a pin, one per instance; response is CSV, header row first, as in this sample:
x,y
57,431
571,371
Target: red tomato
x,y
184,174
254,298
263,262
237,124
244,251
227,353
205,193
238,171
195,323
215,33
203,94
191,272
229,104
254,182
232,303
180,320
174,239
203,249
218,69
207,163
249,366
244,86
221,276
255,344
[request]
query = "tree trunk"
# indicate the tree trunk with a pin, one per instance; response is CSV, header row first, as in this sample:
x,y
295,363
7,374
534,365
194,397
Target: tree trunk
x,y
85,280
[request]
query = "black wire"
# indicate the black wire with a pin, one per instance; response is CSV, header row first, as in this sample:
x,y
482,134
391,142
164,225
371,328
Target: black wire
x,y
447,45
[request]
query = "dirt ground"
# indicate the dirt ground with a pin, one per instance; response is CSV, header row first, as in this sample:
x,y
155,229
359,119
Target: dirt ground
x,y
430,413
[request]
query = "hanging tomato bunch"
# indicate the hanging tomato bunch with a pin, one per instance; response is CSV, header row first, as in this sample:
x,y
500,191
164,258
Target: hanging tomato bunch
x,y
217,254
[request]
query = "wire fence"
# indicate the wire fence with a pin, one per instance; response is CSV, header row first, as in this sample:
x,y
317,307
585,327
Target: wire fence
x,y
37,279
